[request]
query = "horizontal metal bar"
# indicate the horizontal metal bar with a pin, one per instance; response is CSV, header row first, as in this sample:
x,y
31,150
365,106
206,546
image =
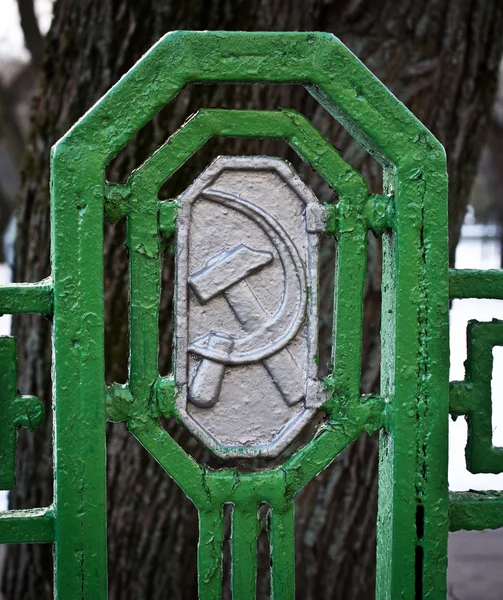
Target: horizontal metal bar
x,y
30,526
475,510
473,283
36,298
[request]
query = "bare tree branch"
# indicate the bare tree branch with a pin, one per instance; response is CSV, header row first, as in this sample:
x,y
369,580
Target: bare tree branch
x,y
33,38
18,91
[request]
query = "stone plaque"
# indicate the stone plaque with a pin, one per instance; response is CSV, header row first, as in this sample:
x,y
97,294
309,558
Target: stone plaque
x,y
246,306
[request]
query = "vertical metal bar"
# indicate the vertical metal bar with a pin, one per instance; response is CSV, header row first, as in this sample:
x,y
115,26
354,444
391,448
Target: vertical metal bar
x,y
432,486
8,429
209,555
245,530
282,540
80,557
144,292
413,500
348,307
385,560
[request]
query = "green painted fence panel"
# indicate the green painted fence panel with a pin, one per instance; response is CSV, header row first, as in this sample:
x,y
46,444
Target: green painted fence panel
x,y
412,411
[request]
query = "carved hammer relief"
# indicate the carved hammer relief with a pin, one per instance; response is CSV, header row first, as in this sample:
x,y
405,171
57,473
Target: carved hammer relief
x,y
226,273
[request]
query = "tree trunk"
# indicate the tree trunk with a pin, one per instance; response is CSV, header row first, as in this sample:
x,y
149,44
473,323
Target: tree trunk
x,y
439,56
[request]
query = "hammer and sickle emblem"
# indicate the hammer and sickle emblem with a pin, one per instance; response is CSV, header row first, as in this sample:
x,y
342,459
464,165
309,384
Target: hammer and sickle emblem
x,y
266,336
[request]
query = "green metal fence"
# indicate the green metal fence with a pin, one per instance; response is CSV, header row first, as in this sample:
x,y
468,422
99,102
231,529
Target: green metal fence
x,y
416,510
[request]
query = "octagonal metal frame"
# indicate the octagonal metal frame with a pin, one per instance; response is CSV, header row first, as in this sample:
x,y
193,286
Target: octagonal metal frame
x,y
413,503
349,416
145,183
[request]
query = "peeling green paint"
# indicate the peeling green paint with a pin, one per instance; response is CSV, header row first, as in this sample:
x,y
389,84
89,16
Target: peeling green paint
x,y
411,414
26,298
475,510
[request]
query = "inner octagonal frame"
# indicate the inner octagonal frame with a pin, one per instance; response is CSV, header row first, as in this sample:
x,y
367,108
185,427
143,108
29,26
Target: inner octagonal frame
x,y
413,462
310,145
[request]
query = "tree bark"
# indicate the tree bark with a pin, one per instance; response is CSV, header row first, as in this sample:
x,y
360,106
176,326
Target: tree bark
x,y
440,57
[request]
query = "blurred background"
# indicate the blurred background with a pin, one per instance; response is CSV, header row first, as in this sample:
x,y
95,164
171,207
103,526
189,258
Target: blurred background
x,y
474,557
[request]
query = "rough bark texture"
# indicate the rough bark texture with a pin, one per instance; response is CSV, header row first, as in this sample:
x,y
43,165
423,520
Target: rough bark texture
x,y
439,56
